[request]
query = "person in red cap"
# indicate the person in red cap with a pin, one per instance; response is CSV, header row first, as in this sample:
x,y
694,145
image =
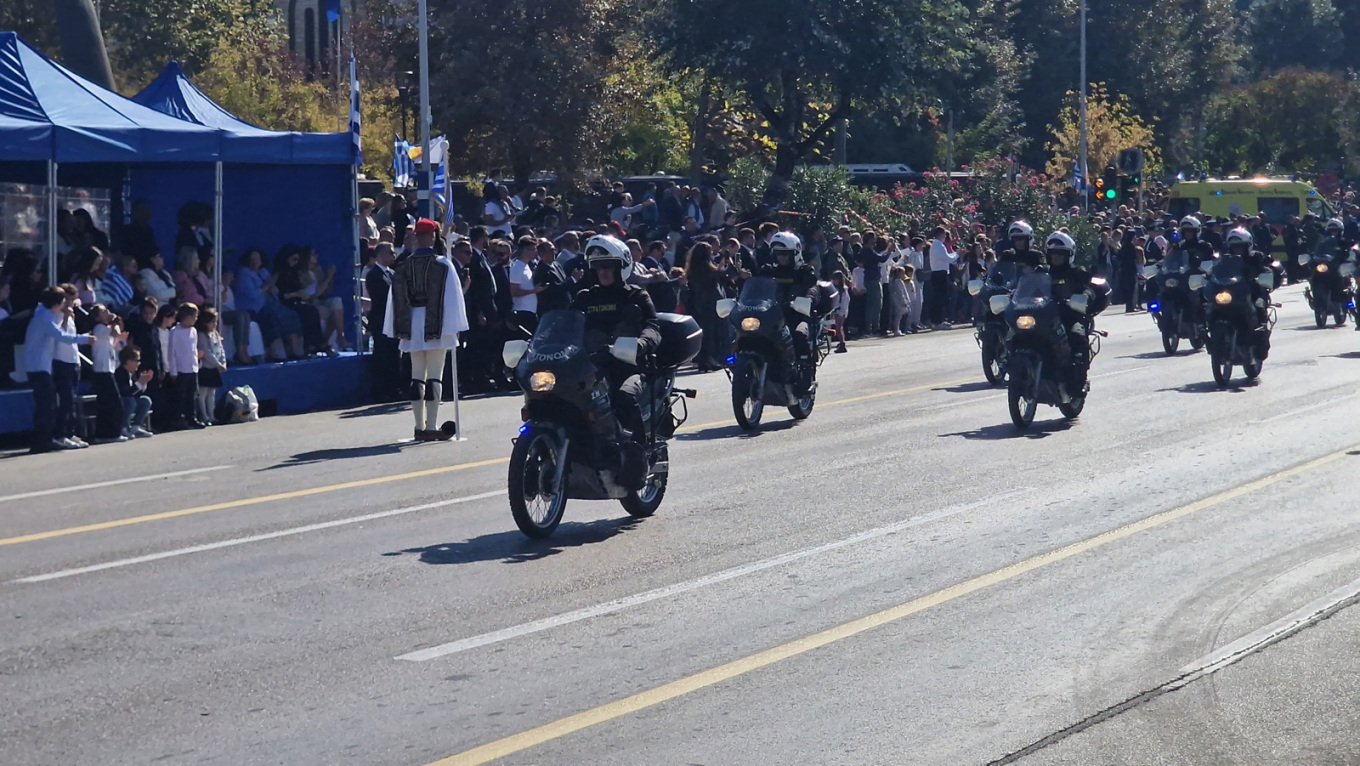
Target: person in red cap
x,y
425,313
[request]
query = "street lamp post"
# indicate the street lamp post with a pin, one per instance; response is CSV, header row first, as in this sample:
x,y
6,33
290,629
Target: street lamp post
x,y
426,169
1085,176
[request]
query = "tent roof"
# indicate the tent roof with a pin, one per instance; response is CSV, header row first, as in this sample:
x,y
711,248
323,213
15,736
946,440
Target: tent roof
x,y
173,94
44,104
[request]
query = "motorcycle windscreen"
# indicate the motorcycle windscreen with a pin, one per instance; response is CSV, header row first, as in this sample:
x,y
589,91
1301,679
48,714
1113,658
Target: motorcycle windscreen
x,y
1033,291
1002,273
758,293
1228,269
560,335
1176,263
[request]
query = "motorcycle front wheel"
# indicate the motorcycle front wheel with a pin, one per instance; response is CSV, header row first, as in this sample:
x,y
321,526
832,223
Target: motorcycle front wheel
x,y
1197,342
1170,342
748,395
1320,316
1023,401
991,363
537,499
1222,370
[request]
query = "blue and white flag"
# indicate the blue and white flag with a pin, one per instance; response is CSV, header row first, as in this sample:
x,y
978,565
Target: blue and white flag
x,y
403,167
354,112
1078,177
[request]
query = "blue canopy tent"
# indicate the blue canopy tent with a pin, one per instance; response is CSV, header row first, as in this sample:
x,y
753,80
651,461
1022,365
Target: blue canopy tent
x,y
50,114
279,187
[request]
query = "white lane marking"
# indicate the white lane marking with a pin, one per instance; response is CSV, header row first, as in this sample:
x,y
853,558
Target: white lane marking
x,y
115,482
1309,408
618,605
252,539
1275,632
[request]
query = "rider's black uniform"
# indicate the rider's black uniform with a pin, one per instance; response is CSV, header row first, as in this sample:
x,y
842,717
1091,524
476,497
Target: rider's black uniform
x,y
792,282
1254,263
1029,258
622,311
1067,281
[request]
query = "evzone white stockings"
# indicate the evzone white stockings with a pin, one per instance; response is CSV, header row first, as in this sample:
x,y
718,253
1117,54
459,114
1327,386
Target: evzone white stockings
x,y
427,374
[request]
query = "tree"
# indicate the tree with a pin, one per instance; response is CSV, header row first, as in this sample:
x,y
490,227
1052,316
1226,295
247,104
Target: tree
x,y
1290,33
542,104
143,35
1287,122
804,64
1112,126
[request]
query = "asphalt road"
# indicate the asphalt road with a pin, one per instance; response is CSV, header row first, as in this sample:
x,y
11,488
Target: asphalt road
x,y
901,579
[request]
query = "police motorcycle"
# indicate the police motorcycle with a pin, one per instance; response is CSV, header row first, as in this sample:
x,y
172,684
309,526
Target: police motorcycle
x,y
1330,291
991,325
765,366
1179,293
1043,368
1234,337
566,447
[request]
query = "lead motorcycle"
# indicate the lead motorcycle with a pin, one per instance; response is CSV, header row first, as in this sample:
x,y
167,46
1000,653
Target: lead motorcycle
x,y
764,367
1176,307
1041,368
567,445
991,325
1329,292
1233,338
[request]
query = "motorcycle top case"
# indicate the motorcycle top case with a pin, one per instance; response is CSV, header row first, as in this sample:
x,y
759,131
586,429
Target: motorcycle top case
x,y
681,339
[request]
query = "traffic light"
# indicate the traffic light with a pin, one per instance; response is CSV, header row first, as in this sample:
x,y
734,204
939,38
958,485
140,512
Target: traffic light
x,y
1108,184
1128,188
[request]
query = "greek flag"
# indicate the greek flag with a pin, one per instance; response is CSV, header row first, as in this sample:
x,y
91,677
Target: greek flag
x,y
403,167
1078,177
354,111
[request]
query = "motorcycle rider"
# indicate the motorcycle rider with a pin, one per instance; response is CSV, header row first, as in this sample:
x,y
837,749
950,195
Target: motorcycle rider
x,y
794,279
1333,242
1021,251
621,311
1240,242
1199,257
1069,280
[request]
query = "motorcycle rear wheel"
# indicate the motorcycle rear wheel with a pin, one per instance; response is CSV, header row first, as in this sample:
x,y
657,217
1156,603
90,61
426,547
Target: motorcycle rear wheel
x,y
1253,370
747,404
1320,316
1197,342
801,409
1170,342
991,364
644,502
535,503
1341,318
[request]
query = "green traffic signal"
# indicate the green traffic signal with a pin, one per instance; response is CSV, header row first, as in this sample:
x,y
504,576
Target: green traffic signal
x,y
1110,194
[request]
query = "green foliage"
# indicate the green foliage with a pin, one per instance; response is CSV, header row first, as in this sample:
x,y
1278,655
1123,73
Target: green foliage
x,y
1289,121
1294,33
745,184
821,193
1112,126
144,34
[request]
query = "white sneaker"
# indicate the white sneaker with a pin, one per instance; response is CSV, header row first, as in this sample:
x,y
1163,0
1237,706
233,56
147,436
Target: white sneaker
x,y
79,442
67,444
140,433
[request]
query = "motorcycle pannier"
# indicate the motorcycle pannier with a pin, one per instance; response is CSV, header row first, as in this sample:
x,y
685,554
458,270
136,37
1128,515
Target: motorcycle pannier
x,y
681,340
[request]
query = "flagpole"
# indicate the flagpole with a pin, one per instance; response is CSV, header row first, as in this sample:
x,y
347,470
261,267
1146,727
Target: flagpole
x,y
426,169
1085,176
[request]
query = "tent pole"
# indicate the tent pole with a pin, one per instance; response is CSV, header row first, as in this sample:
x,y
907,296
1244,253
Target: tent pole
x,y
359,343
217,241
52,279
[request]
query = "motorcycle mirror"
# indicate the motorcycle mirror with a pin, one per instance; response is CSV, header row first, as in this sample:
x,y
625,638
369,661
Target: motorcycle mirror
x,y
513,351
974,287
725,308
625,350
803,306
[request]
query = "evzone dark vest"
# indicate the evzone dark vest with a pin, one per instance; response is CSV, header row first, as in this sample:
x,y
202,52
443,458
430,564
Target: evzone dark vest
x,y
419,282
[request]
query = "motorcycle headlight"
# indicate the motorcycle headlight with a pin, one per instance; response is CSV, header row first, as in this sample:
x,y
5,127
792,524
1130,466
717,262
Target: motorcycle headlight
x,y
542,381
750,324
1322,268
1172,282
1024,322
1223,298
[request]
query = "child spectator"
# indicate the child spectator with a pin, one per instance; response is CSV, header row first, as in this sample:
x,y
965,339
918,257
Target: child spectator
x,y
66,372
45,333
132,382
213,354
842,310
108,337
184,363
901,302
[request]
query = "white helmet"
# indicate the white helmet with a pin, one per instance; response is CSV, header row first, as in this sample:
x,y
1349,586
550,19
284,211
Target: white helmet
x,y
787,241
1335,223
1059,241
1190,222
1020,229
602,249
1238,236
